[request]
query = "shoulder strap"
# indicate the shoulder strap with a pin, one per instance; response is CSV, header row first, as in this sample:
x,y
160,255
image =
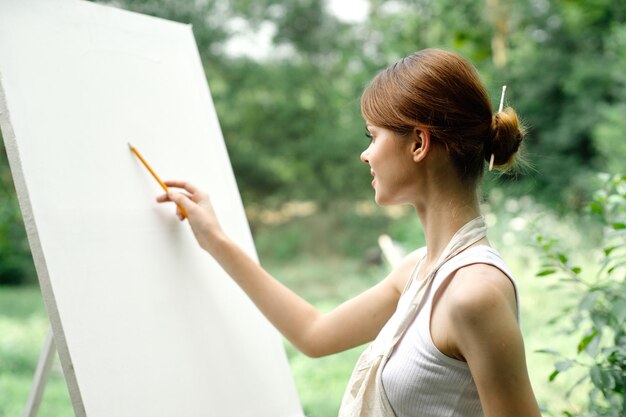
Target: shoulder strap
x,y
467,235
477,255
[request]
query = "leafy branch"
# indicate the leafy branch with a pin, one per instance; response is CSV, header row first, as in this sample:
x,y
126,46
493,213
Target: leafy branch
x,y
599,310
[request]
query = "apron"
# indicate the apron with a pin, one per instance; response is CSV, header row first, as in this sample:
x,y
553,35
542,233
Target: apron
x,y
365,395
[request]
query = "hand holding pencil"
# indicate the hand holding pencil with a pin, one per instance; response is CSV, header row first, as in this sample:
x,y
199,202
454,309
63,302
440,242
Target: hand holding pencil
x,y
201,215
193,205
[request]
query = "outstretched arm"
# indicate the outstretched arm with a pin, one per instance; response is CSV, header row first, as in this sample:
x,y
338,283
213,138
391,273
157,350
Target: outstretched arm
x,y
353,323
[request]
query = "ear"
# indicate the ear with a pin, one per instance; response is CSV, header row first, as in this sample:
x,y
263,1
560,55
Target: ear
x,y
420,144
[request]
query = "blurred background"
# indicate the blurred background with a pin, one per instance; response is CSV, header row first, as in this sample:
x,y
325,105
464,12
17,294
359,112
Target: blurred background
x,y
286,78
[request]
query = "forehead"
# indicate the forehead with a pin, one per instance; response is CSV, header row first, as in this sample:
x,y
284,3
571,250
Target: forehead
x,y
370,125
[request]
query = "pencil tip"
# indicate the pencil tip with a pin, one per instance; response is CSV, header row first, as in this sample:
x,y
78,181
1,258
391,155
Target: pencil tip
x,y
130,146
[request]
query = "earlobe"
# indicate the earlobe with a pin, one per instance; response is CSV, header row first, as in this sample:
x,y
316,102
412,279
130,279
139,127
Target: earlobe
x,y
421,144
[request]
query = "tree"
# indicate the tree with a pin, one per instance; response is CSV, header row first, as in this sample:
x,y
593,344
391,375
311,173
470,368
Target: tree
x,y
565,66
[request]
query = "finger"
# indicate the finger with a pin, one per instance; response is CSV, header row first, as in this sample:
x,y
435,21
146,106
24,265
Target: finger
x,y
181,200
186,185
163,198
179,213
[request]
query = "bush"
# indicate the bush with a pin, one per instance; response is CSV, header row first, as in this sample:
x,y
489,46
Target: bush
x,y
346,229
598,311
16,263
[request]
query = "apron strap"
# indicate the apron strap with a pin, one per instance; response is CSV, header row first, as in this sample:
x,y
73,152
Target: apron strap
x,y
470,233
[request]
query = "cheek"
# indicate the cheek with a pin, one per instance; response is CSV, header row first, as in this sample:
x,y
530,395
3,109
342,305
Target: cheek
x,y
401,171
379,154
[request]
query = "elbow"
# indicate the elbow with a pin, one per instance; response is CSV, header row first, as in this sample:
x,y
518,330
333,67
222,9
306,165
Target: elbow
x,y
312,346
311,350
314,353
311,353
308,340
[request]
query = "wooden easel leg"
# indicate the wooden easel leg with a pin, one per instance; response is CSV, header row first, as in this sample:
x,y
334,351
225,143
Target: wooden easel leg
x,y
41,376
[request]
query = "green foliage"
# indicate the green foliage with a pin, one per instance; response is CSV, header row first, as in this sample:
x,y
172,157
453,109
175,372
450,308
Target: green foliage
x,y
291,120
351,231
597,308
567,81
16,264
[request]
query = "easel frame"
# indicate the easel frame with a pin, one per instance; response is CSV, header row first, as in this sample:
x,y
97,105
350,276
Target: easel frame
x,y
42,373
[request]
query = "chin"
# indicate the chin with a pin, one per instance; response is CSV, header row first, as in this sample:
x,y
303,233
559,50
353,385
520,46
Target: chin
x,y
382,201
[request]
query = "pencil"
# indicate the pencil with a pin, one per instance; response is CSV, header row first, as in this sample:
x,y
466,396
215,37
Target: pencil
x,y
156,177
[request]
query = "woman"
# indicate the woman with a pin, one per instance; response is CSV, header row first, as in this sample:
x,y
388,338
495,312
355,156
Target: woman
x,y
445,321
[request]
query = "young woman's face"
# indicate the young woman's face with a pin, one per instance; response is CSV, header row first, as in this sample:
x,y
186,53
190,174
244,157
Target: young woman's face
x,y
391,164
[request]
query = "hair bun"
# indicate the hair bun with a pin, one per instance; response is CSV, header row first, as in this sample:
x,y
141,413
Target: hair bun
x,y
505,139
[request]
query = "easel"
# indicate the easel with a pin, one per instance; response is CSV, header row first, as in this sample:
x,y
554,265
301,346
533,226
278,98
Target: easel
x,y
46,357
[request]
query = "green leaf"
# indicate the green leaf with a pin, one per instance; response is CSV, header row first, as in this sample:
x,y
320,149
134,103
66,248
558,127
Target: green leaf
x,y
548,351
563,366
562,258
602,379
619,226
576,269
595,207
618,379
585,340
596,376
546,272
608,250
588,300
594,344
553,375
619,310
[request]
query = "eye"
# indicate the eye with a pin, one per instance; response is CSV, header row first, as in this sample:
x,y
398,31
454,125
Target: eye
x,y
369,135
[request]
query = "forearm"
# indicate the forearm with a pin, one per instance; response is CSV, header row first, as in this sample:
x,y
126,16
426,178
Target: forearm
x,y
311,332
293,316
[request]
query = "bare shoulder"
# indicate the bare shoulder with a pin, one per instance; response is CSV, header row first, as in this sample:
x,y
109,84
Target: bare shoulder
x,y
400,275
485,333
480,290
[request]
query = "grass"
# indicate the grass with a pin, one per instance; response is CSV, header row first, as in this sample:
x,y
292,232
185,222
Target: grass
x,y
23,328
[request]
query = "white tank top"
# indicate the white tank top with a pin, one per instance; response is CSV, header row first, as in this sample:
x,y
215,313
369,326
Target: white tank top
x,y
419,380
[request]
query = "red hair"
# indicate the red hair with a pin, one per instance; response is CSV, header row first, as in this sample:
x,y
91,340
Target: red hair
x,y
442,92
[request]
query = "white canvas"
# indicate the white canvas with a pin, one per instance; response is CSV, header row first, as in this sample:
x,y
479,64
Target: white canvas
x,y
145,322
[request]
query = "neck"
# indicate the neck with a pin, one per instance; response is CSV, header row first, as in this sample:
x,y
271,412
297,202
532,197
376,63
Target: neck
x,y
447,210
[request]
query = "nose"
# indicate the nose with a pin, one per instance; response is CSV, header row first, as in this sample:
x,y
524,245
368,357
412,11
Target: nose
x,y
365,156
